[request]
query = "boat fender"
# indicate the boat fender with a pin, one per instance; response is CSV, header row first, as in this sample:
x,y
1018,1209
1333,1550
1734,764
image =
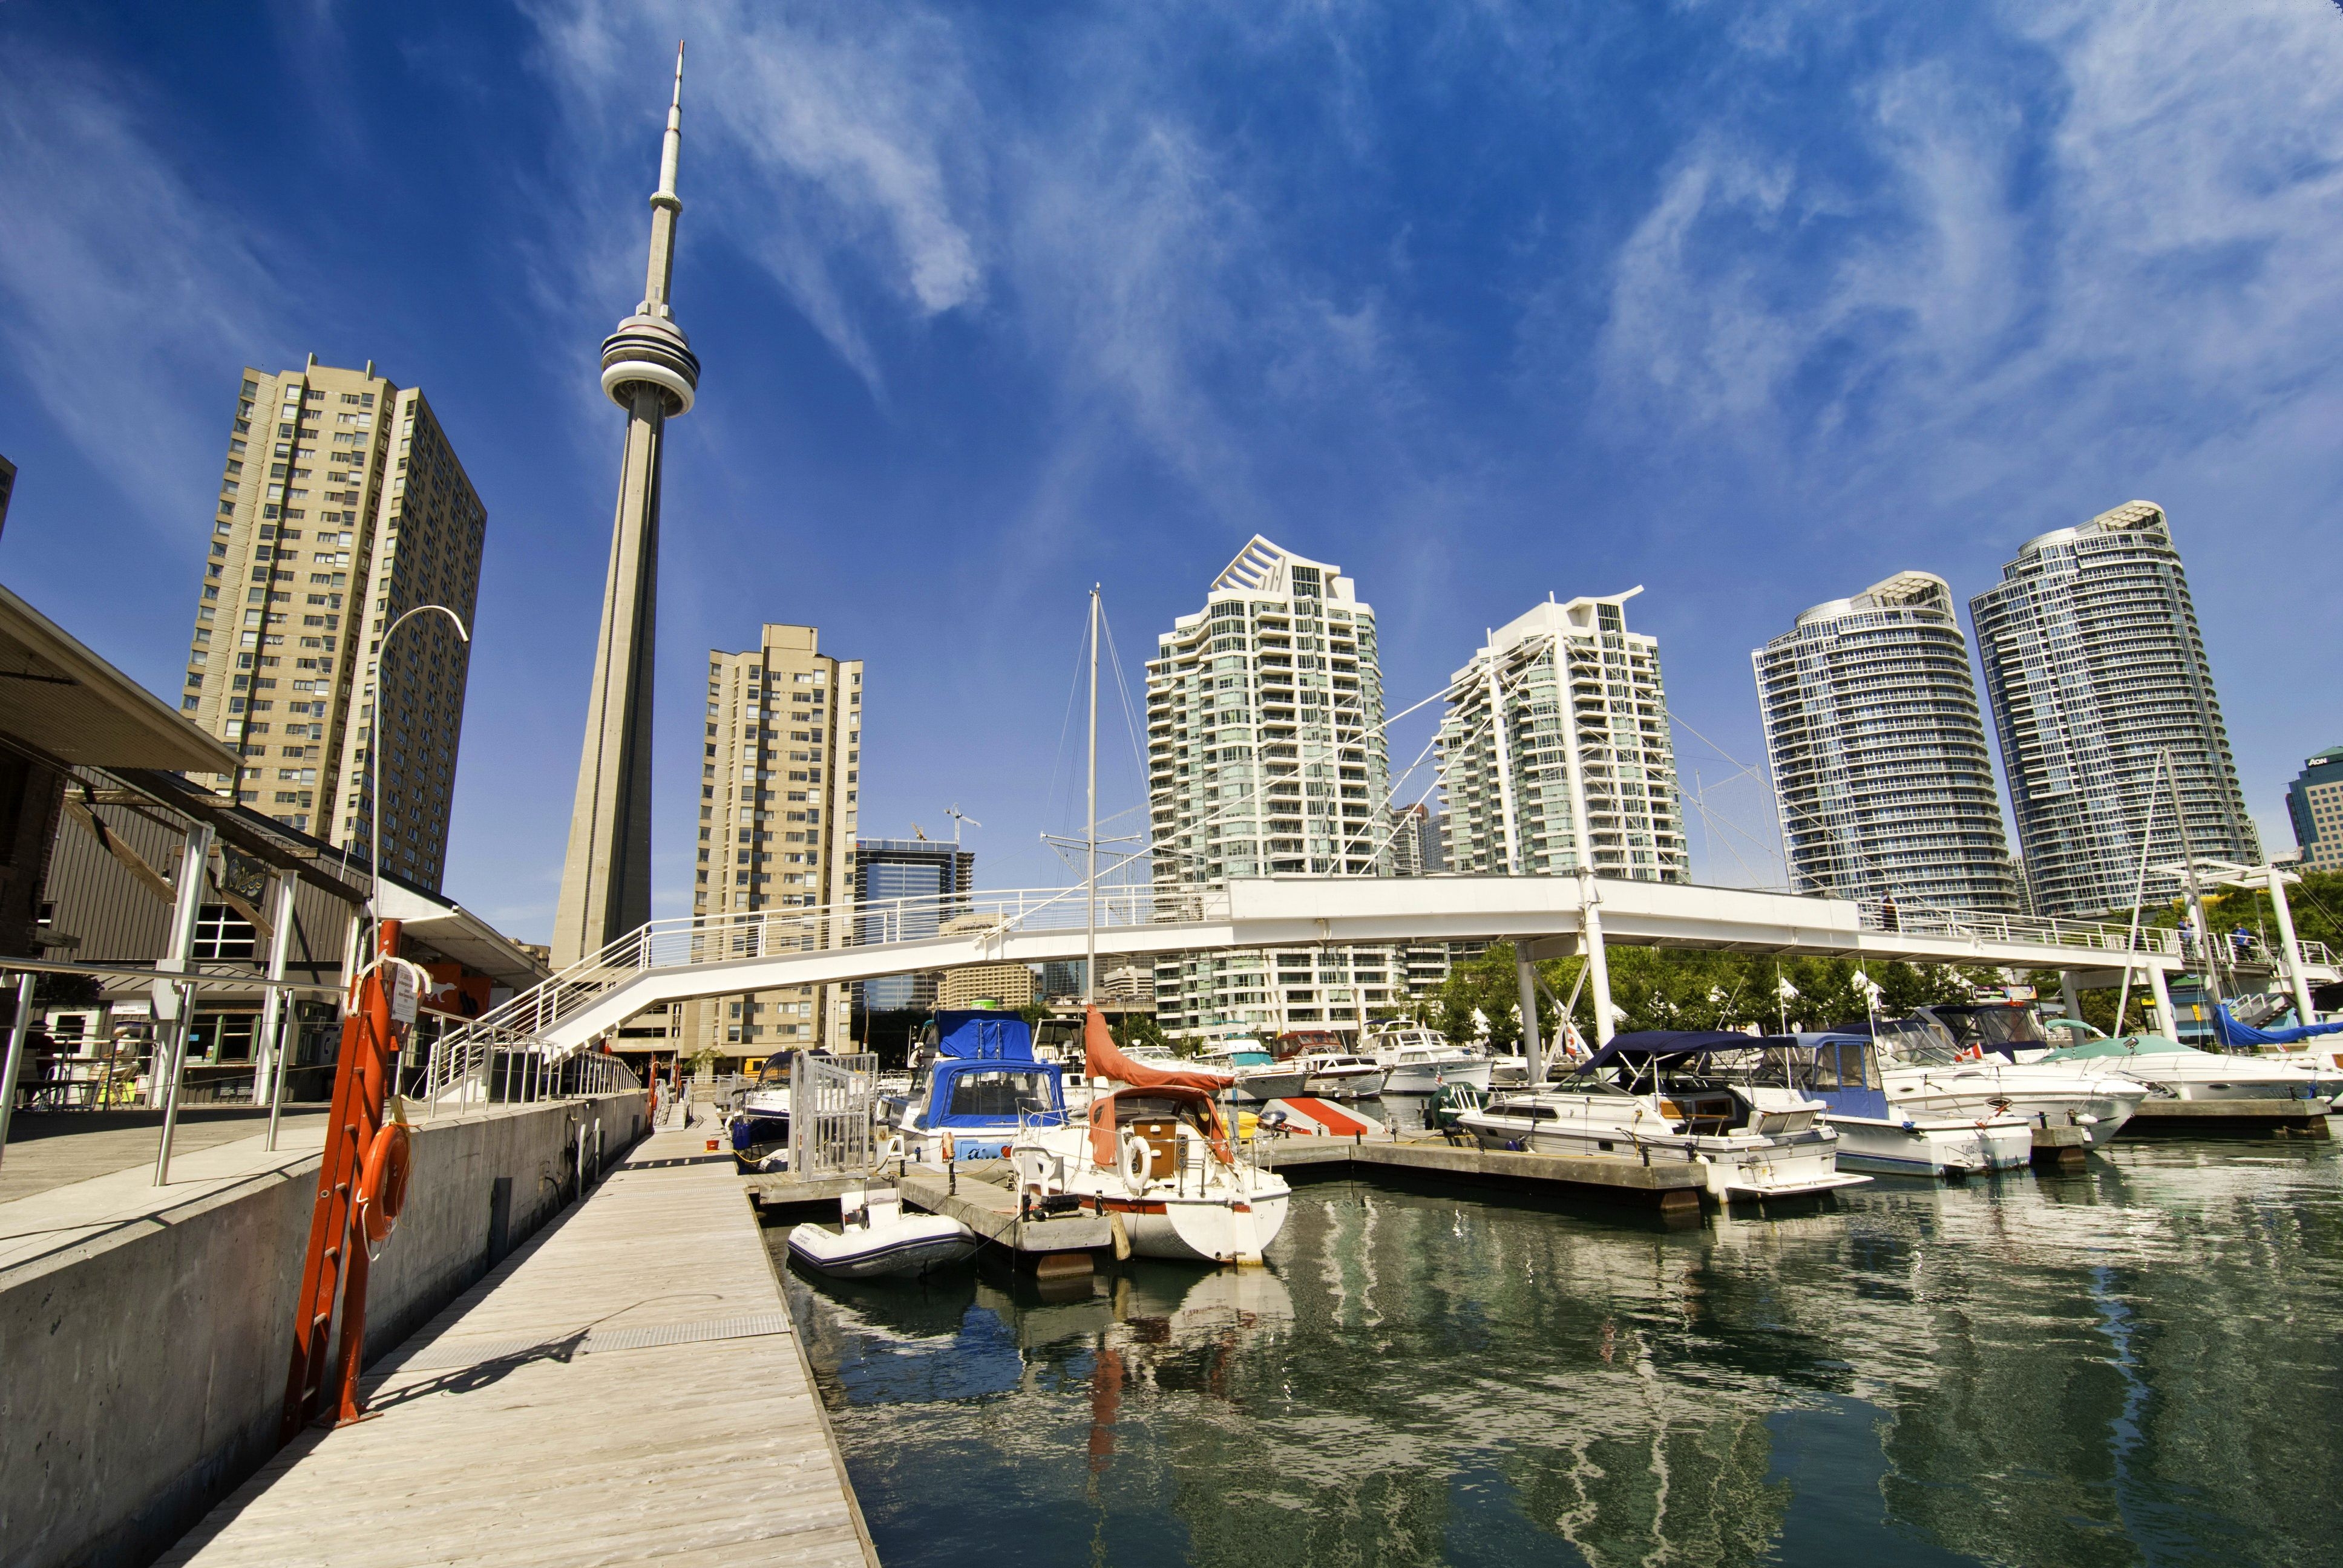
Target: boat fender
x,y
382,1185
1121,1237
1138,1159
2085,1119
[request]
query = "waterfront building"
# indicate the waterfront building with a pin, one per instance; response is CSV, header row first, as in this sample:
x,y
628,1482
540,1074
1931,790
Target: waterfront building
x,y
2094,667
1414,849
342,505
1266,756
650,370
778,784
2315,802
930,878
1061,979
1875,739
1555,751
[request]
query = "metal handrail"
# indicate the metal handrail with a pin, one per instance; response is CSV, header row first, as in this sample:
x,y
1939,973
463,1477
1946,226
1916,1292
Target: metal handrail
x,y
1920,920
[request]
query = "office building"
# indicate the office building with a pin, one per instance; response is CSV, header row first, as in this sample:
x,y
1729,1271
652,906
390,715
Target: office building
x,y
776,809
1062,980
650,370
906,888
1266,756
1875,739
1555,751
2095,667
2314,801
342,505
1007,986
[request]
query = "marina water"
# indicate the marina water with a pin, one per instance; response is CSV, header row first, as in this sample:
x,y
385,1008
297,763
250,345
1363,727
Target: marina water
x,y
2136,1363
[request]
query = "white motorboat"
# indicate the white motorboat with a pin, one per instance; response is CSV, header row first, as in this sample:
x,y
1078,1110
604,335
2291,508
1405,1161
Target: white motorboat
x,y
1753,1140
875,1238
1927,1077
1418,1061
2182,1072
1154,1155
1842,1071
1256,1074
1337,1075
974,1082
758,1127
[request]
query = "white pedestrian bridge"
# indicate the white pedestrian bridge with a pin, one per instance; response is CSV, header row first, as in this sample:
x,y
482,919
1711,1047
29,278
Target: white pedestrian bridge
x,y
691,956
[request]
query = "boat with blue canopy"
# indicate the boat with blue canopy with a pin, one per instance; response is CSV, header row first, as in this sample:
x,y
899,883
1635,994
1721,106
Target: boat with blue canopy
x,y
975,1082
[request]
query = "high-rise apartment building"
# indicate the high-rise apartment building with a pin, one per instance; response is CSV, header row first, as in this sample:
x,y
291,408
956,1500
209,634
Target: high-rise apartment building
x,y
2315,802
907,887
342,505
1555,751
777,807
1876,743
2095,667
1414,849
1266,755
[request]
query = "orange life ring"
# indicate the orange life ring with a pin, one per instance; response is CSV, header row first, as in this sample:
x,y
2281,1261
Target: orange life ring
x,y
382,1185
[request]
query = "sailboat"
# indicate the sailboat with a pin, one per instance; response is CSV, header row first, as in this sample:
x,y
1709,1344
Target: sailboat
x,y
1155,1154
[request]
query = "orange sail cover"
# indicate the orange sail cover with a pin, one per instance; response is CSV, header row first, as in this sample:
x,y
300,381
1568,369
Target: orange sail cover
x,y
1101,1058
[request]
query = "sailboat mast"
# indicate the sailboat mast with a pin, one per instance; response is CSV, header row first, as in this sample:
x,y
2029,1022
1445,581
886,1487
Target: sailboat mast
x,y
1090,963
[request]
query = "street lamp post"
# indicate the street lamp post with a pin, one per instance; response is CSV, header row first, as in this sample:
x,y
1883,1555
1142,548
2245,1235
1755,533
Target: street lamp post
x,y
374,744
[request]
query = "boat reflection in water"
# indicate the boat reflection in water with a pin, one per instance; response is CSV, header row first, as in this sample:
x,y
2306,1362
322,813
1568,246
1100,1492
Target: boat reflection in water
x,y
2130,1364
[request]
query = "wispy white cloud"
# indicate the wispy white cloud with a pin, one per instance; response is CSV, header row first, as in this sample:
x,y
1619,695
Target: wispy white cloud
x,y
2155,231
122,289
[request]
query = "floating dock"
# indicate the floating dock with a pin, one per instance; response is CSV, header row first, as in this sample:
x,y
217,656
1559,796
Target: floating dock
x,y
2066,1148
2157,1117
991,1210
626,1387
1672,1187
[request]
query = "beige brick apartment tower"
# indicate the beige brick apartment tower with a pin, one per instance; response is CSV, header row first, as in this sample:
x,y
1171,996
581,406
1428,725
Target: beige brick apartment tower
x,y
647,370
777,788
341,504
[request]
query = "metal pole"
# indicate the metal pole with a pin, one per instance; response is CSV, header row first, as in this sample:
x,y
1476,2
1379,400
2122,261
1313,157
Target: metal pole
x,y
1089,961
179,1070
1598,964
2303,1012
16,1032
2195,894
186,907
268,1073
374,743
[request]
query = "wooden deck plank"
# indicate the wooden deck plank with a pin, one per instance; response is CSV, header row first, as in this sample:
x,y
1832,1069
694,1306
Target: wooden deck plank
x,y
688,1452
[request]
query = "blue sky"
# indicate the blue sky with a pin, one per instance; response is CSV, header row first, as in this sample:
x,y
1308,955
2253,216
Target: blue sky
x,y
1750,304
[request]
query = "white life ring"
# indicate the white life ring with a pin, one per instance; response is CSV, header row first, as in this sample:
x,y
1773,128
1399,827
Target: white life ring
x,y
1137,1160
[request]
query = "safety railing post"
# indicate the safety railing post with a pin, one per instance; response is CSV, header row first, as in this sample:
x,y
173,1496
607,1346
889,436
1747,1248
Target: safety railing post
x,y
16,1032
180,1038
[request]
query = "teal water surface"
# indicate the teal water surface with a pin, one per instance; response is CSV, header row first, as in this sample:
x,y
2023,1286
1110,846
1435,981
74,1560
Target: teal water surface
x,y
2136,1364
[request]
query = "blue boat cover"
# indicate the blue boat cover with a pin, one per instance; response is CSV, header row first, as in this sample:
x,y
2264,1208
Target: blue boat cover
x,y
984,1036
1646,1043
2232,1032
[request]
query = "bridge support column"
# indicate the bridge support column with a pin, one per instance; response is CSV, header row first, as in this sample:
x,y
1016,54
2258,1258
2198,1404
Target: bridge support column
x,y
2166,1024
1525,974
2066,993
2303,1012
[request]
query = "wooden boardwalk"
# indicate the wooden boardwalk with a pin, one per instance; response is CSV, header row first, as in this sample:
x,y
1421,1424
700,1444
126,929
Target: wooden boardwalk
x,y
626,1388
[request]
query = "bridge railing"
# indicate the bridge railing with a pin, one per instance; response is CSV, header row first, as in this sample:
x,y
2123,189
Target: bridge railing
x,y
2032,930
693,939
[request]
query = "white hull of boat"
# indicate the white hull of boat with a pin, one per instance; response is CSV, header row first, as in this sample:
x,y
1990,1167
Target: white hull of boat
x,y
2100,1106
1736,1168
1266,1085
1345,1085
1936,1148
913,1245
1426,1078
1201,1229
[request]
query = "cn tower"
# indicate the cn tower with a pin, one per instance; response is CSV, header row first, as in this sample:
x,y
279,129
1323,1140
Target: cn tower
x,y
647,370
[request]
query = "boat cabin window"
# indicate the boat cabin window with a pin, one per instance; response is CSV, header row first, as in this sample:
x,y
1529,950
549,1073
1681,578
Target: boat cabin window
x,y
1992,1026
1842,1064
1001,1093
775,1074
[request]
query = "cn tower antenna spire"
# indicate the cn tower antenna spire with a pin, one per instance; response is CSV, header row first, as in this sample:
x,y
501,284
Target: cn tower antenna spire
x,y
666,207
650,370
